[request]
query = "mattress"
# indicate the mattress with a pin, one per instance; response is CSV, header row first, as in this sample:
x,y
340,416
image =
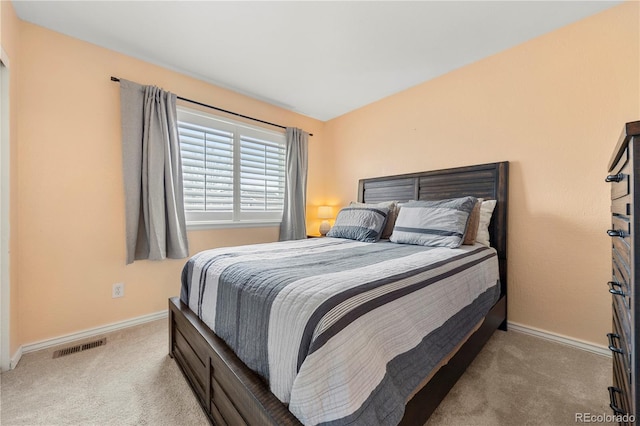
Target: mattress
x,y
342,331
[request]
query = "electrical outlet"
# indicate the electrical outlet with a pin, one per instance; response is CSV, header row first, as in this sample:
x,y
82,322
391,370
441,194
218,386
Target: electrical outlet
x,y
117,290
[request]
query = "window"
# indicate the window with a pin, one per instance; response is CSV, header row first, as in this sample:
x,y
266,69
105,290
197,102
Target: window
x,y
233,173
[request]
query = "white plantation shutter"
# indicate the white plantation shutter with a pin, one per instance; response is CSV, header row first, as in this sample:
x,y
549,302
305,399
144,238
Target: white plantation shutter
x,y
231,172
207,168
261,177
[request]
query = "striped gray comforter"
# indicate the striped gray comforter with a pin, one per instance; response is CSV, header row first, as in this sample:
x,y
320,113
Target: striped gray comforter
x,y
343,331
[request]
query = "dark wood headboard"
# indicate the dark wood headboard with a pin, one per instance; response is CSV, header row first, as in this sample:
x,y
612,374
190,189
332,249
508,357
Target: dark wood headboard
x,y
489,181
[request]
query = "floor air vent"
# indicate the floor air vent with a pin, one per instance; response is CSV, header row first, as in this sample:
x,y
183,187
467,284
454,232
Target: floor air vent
x,y
80,348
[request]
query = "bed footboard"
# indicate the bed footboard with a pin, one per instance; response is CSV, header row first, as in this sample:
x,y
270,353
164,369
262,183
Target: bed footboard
x,y
227,390
230,393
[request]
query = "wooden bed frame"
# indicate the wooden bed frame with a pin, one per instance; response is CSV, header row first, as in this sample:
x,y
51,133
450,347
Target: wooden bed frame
x,y
232,394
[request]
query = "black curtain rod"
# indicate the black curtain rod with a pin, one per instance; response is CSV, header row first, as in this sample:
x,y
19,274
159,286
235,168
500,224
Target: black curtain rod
x,y
222,110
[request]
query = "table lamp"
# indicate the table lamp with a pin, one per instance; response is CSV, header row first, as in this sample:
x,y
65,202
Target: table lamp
x,y
325,212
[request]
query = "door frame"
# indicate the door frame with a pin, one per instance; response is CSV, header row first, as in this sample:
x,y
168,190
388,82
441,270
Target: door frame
x,y
5,285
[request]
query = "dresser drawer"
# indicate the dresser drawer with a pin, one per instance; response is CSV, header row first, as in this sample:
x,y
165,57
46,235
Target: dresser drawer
x,y
621,278
620,394
622,206
617,290
622,250
622,162
621,307
620,227
618,400
621,188
619,340
619,178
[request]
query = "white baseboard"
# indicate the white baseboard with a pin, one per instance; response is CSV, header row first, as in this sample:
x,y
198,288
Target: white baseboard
x,y
15,358
569,341
84,334
48,343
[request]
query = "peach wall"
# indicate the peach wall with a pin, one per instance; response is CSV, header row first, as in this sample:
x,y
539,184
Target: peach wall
x,y
71,203
554,107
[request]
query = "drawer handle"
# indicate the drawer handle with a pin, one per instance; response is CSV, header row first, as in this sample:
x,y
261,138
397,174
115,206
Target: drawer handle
x,y
614,178
612,399
615,233
612,347
613,291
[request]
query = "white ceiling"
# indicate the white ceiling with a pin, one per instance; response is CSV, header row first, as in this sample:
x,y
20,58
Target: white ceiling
x,y
321,59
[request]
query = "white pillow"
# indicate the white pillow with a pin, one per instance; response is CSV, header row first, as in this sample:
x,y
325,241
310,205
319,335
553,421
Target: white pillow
x,y
486,210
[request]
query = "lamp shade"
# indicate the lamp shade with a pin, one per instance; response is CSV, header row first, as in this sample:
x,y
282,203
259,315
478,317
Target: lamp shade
x,y
325,212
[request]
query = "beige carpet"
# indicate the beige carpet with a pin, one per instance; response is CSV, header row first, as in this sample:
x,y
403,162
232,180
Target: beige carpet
x,y
129,381
523,380
516,380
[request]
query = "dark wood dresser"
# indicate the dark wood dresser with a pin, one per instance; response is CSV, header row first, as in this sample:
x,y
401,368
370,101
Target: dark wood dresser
x,y
624,175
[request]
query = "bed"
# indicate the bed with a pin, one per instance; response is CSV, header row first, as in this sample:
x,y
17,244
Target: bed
x,y
231,392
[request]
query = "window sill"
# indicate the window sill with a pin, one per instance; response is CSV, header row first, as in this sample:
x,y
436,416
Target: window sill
x,y
198,226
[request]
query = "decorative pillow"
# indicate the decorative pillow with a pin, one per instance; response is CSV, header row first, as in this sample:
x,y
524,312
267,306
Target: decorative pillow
x,y
391,219
486,210
360,223
433,223
472,226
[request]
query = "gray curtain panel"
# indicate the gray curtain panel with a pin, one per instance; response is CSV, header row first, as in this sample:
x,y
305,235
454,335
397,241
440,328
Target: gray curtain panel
x,y
294,224
155,220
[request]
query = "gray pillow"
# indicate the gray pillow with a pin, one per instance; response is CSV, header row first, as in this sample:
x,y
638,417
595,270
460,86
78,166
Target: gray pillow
x,y
433,223
360,223
391,219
